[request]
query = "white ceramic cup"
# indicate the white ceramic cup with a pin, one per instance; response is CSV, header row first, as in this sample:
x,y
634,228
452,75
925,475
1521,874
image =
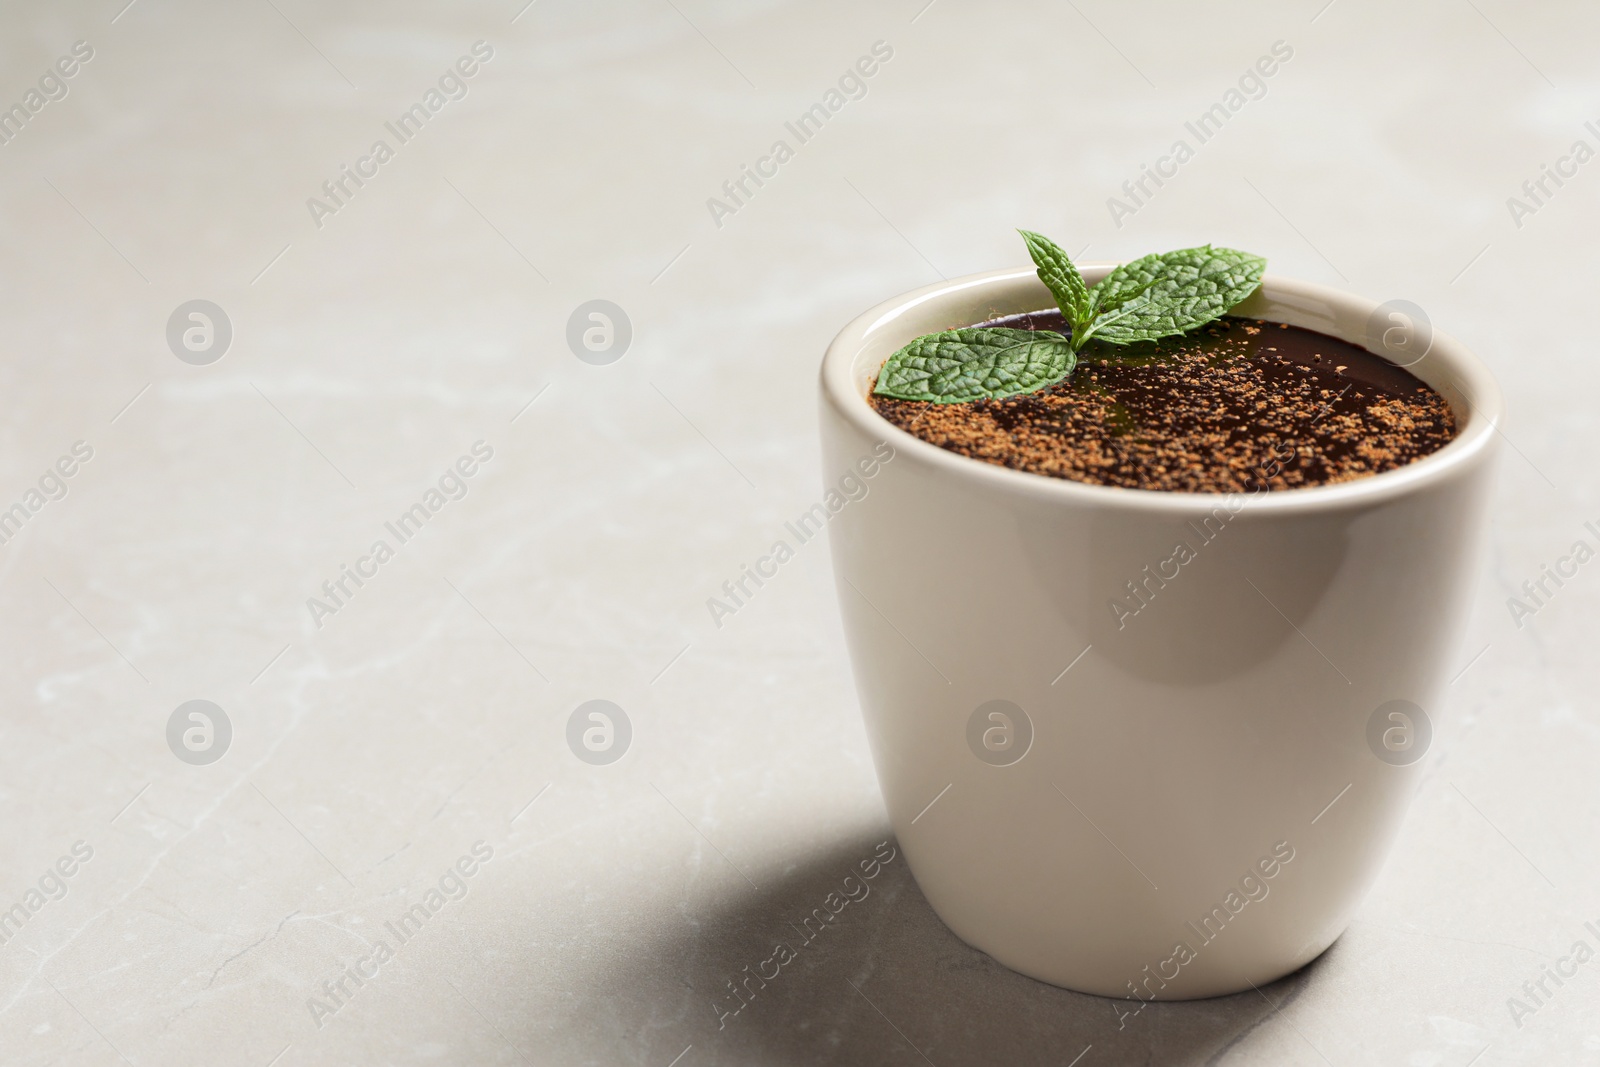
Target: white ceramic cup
x,y
1180,801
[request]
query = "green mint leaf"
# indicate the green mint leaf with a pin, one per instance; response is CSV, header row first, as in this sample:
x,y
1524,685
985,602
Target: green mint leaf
x,y
958,366
1061,278
1181,290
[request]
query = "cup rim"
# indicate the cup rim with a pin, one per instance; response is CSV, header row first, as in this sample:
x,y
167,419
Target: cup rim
x,y
1448,366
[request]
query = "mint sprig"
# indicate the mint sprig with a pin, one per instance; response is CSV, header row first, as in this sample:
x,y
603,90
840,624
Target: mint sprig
x,y
1157,296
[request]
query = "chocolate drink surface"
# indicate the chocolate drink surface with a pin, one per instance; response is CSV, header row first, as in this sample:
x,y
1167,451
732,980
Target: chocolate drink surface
x,y
1238,405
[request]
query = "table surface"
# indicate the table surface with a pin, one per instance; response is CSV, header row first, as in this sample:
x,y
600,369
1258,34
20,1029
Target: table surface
x,y
380,332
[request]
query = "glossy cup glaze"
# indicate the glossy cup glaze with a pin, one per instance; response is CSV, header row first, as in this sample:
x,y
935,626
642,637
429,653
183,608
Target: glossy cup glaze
x,y
1154,821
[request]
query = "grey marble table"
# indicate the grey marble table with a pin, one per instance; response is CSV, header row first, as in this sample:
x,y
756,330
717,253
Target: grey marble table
x,y
383,356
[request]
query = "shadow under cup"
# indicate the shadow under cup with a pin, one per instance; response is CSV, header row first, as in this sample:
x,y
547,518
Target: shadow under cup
x,y
1177,801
